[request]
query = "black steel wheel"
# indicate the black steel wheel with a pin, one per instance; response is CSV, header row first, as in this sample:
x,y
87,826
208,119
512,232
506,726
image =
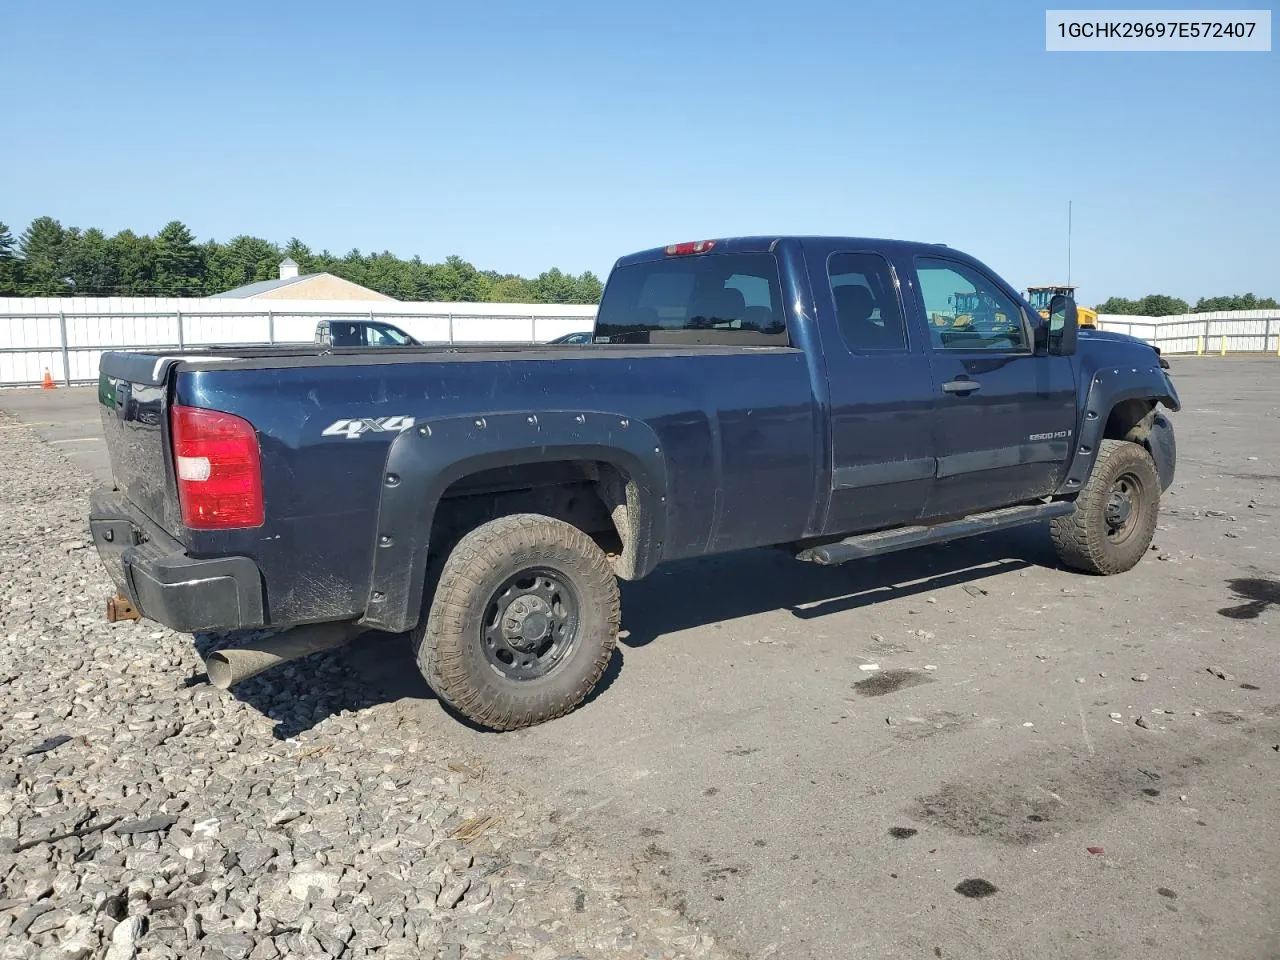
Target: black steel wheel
x,y
530,624
1123,507
522,623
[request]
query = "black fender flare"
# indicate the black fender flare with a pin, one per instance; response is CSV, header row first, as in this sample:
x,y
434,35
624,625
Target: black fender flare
x,y
425,460
1164,449
1111,386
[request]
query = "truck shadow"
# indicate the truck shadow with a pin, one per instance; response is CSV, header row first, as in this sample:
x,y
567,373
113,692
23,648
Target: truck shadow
x,y
385,662
375,668
694,593
379,667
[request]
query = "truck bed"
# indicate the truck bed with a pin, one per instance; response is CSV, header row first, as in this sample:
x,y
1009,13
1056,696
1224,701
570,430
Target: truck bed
x,y
150,367
736,426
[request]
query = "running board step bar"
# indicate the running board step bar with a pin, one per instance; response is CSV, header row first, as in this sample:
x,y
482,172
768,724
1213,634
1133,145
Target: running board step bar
x,y
903,538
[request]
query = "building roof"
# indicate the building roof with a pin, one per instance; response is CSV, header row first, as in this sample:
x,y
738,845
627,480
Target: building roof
x,y
262,286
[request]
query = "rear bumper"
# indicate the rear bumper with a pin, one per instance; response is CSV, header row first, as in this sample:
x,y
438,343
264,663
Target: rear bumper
x,y
162,582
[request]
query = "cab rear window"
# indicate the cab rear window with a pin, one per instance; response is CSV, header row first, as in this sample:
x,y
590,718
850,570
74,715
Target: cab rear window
x,y
721,299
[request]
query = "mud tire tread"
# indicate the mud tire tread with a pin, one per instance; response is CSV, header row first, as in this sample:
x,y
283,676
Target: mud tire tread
x,y
445,644
1080,538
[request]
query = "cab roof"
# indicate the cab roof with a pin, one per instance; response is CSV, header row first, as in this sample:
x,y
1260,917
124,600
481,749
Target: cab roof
x,y
769,243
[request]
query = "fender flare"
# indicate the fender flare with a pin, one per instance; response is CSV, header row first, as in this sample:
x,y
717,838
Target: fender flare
x,y
1164,449
425,460
1109,387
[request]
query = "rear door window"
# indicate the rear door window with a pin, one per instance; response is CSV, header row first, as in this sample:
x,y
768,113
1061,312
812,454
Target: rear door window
x,y
868,312
343,333
726,298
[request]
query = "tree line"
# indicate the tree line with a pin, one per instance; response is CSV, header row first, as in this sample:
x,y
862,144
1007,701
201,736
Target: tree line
x,y
1160,305
50,260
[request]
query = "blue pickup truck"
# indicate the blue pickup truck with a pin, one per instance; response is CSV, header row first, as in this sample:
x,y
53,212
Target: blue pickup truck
x,y
837,397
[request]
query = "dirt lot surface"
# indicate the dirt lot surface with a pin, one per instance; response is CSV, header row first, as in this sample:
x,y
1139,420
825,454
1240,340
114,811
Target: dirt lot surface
x,y
1043,764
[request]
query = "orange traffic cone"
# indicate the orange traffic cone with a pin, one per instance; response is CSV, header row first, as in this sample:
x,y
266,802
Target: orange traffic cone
x,y
47,383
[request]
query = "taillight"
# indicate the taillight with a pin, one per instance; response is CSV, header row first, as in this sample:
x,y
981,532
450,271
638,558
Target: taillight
x,y
683,249
219,469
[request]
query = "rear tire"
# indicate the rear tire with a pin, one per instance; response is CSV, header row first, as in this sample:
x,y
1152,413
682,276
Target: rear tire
x,y
1116,512
523,622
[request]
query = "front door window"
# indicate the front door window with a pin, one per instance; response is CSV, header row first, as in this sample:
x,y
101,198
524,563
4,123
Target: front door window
x,y
967,311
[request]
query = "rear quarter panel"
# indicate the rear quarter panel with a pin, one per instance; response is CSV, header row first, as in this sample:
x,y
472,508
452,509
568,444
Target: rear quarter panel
x,y
736,430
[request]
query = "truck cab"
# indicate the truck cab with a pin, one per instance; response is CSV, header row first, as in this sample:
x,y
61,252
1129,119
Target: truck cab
x,y
361,333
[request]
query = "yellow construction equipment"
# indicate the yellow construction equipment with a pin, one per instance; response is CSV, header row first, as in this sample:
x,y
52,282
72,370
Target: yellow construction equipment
x,y
971,305
1039,298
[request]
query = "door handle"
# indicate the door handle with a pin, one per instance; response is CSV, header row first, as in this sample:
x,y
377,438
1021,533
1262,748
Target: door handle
x,y
961,386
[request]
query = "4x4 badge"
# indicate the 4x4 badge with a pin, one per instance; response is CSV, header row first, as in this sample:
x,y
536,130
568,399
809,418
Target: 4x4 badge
x,y
359,427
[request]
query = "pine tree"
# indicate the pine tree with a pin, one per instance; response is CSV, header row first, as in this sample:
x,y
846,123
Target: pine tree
x,y
133,263
87,260
42,249
300,254
179,266
9,263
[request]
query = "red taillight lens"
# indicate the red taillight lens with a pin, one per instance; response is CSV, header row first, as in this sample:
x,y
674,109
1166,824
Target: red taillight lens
x,y
219,469
683,249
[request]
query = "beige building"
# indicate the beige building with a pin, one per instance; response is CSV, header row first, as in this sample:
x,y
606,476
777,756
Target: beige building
x,y
308,286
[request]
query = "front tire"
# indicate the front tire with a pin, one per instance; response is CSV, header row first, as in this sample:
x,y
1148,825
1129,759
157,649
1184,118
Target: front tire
x,y
1116,512
522,624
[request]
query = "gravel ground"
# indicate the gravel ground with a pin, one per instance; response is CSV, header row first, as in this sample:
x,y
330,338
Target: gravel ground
x,y
145,814
1006,785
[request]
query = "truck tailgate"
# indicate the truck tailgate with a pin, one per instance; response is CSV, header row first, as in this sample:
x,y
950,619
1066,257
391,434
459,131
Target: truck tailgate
x,y
134,405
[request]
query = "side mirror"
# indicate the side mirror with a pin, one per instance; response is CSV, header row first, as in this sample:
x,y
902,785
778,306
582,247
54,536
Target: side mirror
x,y
1064,326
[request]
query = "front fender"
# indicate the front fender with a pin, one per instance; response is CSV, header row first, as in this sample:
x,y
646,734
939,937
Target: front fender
x,y
1111,386
423,462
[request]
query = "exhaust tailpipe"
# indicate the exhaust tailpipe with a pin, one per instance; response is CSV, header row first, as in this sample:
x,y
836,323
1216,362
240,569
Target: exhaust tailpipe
x,y
230,666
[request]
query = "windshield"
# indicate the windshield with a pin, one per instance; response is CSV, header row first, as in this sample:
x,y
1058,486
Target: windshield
x,y
380,335
727,298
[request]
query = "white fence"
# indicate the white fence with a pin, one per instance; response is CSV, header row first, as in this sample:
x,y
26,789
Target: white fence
x,y
67,335
1227,331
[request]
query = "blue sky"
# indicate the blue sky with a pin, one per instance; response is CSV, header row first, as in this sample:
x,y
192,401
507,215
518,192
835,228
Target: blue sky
x,y
528,135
